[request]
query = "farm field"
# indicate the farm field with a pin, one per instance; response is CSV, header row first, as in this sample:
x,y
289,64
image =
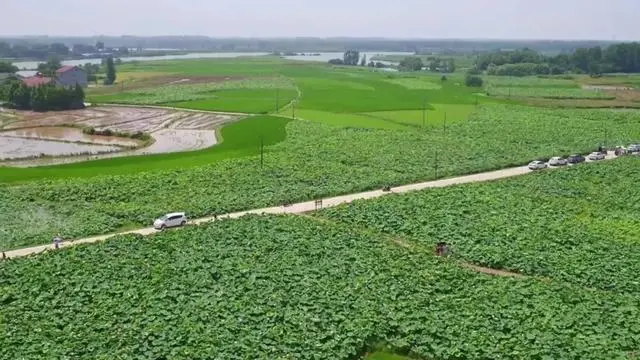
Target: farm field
x,y
293,287
310,163
235,95
576,225
548,92
355,282
33,134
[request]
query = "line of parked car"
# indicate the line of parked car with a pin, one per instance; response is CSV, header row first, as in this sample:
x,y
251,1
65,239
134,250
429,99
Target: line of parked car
x,y
577,158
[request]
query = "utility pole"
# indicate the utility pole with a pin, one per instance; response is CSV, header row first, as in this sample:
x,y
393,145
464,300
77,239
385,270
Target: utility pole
x,y
293,109
277,99
424,111
445,121
261,151
436,166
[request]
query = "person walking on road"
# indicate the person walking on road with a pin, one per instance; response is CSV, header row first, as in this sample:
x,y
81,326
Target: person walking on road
x,y
56,241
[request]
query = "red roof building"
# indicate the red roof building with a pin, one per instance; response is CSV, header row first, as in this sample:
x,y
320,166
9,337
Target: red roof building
x,y
65,68
34,81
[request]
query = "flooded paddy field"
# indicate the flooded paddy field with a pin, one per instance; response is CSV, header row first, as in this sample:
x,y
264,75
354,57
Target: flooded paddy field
x,y
17,148
35,139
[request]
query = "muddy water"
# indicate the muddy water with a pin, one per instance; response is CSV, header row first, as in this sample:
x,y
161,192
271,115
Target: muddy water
x,y
167,140
69,134
171,140
16,148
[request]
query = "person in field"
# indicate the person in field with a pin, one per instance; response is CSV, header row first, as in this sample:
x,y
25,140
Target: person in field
x,y
56,241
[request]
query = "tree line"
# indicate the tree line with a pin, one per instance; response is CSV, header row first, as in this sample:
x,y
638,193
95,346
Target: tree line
x,y
40,51
16,94
307,44
623,58
409,63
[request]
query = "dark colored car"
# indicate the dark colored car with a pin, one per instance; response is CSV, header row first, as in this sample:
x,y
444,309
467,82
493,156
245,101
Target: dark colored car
x,y
575,159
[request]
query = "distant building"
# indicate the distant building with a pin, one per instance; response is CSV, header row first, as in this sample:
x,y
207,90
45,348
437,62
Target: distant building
x,y
37,80
70,76
65,76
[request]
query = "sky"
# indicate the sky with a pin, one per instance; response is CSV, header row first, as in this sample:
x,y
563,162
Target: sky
x,y
455,19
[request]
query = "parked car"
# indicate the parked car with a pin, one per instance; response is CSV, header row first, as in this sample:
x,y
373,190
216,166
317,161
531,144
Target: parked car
x,y
634,148
596,156
575,159
557,161
537,165
170,220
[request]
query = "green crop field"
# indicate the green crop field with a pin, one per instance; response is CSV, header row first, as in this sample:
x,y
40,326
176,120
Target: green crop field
x,y
547,93
315,160
438,115
349,283
531,81
292,288
577,225
415,83
253,96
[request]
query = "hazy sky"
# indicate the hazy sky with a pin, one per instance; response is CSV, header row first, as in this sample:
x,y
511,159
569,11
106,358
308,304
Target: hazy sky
x,y
513,19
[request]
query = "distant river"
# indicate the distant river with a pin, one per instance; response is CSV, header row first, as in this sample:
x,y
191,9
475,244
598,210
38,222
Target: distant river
x,y
323,57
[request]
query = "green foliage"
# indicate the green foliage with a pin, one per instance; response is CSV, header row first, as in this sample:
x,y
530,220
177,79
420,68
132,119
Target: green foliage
x,y
473,81
411,63
292,288
310,163
7,67
46,97
49,68
576,225
110,71
351,57
522,69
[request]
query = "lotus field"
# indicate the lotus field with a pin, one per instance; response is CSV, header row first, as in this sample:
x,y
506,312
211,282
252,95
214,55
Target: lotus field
x,y
292,288
577,225
310,163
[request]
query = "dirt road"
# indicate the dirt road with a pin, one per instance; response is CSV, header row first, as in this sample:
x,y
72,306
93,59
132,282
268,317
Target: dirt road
x,y
308,206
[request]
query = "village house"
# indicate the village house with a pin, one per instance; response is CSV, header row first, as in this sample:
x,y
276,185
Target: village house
x,y
65,76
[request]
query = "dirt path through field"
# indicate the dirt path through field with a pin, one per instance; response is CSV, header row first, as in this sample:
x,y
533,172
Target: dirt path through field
x,y
308,206
411,245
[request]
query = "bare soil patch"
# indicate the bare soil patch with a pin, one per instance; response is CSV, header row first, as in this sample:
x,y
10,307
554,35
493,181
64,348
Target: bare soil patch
x,y
490,271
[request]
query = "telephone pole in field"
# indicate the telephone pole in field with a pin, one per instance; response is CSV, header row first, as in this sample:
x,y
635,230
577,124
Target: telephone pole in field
x,y
261,151
424,111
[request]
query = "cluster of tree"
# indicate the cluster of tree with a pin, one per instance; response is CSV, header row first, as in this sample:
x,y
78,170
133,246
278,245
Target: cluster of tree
x,y
40,51
7,67
42,98
110,72
32,51
524,69
411,63
623,57
473,80
437,64
49,68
